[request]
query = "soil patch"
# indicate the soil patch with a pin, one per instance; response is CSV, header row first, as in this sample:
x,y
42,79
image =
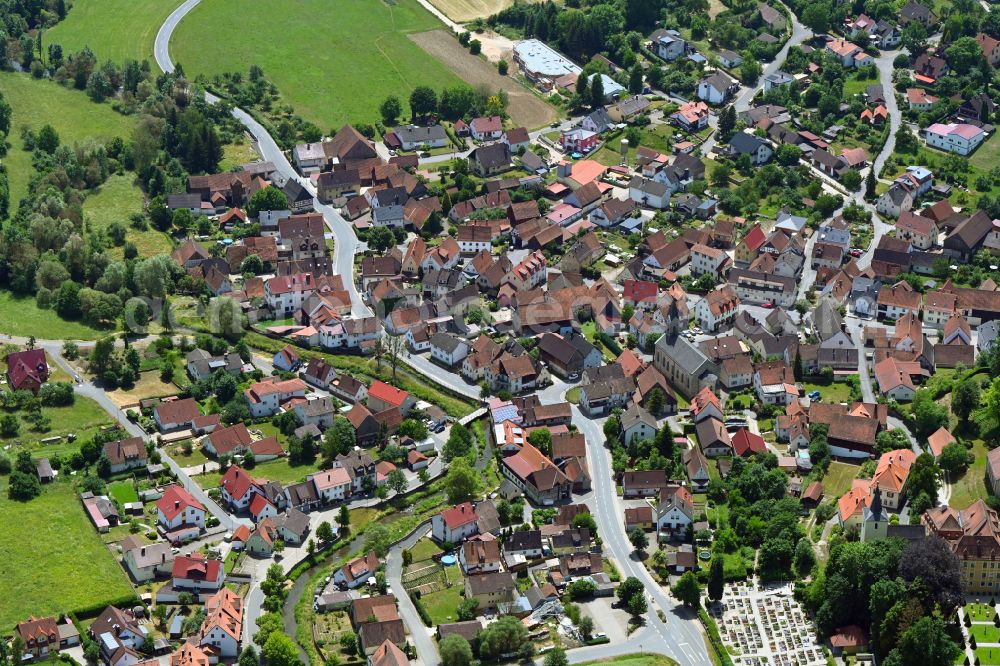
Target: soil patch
x,y
526,109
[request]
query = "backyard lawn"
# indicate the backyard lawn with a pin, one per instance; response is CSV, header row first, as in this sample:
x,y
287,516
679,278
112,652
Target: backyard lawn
x,y
196,457
21,316
442,605
114,30
424,549
333,85
115,201
148,386
123,491
656,137
272,470
237,154
838,479
36,103
971,486
54,561
832,392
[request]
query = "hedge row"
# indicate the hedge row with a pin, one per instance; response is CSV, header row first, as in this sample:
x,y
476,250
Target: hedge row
x,y
714,638
421,611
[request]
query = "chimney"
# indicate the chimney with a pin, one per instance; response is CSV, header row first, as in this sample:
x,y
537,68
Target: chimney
x,y
142,551
177,504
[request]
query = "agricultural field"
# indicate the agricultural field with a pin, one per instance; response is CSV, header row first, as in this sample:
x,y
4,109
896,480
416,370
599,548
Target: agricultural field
x,y
115,201
36,103
330,84
48,544
461,11
115,30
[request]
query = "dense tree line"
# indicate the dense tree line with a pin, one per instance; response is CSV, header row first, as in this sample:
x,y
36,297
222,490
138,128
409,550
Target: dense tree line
x,y
897,591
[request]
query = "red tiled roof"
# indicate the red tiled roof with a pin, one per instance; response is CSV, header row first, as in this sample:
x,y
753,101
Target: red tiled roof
x,y
387,394
177,411
258,504
237,482
940,439
27,364
196,567
175,499
746,443
460,515
640,291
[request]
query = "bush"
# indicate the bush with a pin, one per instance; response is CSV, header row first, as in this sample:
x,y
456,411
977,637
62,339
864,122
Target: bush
x,y
422,612
713,636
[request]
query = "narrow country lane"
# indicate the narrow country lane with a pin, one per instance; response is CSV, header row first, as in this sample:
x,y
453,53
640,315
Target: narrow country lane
x,y
89,390
800,33
885,69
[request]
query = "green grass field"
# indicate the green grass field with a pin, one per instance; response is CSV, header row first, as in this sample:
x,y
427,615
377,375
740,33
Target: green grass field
x,y
634,660
424,549
980,612
986,656
123,491
83,419
442,605
53,559
36,103
838,479
115,201
272,470
197,456
971,486
985,633
830,391
115,30
333,65
237,154
21,316
986,156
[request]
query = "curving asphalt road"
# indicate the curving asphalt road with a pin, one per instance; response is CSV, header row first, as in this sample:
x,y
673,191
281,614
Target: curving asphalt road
x,y
345,240
800,33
